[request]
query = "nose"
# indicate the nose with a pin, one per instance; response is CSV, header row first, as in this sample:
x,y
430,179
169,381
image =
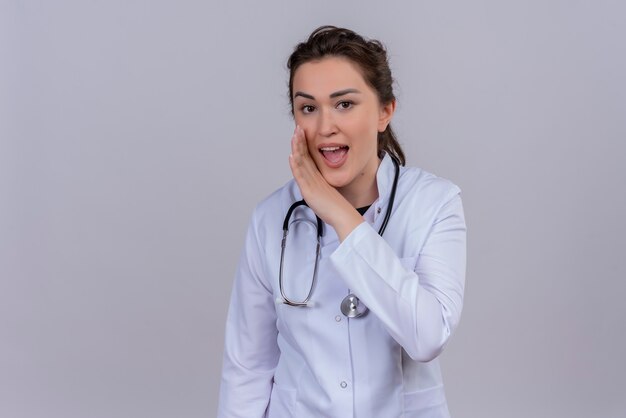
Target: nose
x,y
327,126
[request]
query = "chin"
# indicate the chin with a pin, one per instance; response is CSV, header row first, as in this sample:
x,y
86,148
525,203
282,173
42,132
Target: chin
x,y
336,180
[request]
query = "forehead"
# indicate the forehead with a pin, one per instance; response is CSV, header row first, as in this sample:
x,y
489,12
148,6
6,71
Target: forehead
x,y
328,75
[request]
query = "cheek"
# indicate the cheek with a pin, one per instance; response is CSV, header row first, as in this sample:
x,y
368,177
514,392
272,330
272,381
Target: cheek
x,y
365,127
366,134
305,123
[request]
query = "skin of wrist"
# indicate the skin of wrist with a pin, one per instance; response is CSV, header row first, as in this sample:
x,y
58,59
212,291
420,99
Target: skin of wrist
x,y
345,220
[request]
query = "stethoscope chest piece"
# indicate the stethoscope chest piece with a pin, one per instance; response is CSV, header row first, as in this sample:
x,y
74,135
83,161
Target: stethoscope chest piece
x,y
352,307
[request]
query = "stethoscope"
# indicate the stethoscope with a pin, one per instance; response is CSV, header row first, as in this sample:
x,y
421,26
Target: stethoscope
x,y
350,306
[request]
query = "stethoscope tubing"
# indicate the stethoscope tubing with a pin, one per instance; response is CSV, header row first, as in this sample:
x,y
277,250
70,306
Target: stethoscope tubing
x,y
353,300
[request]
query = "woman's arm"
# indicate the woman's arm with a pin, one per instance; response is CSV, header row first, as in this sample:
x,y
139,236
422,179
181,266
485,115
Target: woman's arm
x,y
250,349
420,306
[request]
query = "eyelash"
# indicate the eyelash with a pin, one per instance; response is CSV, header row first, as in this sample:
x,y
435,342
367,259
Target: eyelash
x,y
351,103
304,108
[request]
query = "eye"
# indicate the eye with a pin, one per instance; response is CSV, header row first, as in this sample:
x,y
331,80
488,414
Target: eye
x,y
307,109
345,105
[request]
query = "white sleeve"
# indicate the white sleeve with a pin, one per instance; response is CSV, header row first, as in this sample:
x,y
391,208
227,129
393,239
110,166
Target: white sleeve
x,y
420,307
250,349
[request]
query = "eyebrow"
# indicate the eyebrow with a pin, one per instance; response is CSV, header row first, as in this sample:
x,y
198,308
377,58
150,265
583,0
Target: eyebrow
x,y
332,95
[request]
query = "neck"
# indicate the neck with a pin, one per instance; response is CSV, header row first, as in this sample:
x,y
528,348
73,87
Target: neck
x,y
363,190
358,200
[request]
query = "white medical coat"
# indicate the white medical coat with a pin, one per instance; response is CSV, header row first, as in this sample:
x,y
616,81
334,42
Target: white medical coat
x,y
283,361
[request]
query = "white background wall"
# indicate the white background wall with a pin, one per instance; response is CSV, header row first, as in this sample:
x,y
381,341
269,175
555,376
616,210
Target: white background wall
x,y
136,137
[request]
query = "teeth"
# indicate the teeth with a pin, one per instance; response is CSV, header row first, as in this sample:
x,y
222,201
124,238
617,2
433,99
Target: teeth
x,y
330,148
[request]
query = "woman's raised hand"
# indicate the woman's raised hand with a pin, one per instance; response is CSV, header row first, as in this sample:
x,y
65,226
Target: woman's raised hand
x,y
321,197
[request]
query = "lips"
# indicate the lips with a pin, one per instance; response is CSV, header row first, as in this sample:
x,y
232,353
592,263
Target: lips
x,y
334,155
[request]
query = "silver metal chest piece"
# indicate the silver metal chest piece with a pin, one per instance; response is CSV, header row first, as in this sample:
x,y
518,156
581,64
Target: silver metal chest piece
x,y
352,307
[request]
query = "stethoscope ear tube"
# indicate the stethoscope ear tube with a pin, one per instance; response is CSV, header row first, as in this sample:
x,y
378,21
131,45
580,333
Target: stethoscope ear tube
x,y
392,197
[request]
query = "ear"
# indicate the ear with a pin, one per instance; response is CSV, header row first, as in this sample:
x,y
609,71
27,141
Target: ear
x,y
385,115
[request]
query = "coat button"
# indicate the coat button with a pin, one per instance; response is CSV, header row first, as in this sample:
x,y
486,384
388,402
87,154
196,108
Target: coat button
x,y
343,385
338,318
378,210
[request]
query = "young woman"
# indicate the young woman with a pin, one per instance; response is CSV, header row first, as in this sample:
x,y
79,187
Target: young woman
x,y
352,326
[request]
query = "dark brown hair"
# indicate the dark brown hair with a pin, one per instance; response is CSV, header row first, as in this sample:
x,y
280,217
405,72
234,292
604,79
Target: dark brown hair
x,y
370,57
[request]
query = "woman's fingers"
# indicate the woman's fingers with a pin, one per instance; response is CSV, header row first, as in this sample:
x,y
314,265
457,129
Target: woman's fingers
x,y
302,165
299,147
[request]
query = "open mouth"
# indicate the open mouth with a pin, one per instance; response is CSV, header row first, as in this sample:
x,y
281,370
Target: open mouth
x,y
334,155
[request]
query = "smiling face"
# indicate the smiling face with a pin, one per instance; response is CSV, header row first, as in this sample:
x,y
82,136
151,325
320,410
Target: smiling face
x,y
341,117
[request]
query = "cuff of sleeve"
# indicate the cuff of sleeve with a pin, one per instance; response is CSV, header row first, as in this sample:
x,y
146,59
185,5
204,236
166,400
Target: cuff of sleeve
x,y
352,241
